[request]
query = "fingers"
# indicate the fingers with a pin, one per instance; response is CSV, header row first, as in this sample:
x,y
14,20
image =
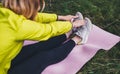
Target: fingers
x,y
78,23
74,17
70,17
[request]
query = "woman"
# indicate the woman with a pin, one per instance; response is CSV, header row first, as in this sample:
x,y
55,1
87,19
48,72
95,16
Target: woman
x,y
21,21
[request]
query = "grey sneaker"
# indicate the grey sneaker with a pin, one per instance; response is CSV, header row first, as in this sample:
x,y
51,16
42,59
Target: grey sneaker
x,y
80,17
83,31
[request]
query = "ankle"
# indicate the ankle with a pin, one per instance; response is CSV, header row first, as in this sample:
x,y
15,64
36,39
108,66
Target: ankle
x,y
68,34
77,39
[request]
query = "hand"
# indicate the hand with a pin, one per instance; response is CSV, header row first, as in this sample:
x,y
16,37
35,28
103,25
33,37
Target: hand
x,y
78,23
67,17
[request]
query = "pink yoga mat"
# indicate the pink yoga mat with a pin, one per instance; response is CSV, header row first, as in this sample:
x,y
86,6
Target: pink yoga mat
x,y
81,54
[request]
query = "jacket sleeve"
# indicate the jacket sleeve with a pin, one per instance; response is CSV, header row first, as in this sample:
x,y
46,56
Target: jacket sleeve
x,y
30,30
45,17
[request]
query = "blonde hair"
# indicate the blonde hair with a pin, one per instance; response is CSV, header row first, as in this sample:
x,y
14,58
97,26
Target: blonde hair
x,y
27,8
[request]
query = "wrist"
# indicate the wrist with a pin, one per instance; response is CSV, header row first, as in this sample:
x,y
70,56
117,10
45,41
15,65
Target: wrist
x,y
60,17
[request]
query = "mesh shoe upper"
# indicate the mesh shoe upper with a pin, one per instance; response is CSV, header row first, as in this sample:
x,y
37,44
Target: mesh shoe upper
x,y
83,31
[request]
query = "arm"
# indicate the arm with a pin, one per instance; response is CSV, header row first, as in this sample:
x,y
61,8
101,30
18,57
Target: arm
x,y
66,17
30,30
46,17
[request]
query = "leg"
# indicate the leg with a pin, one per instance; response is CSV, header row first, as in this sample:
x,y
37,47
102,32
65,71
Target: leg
x,y
45,45
37,63
31,50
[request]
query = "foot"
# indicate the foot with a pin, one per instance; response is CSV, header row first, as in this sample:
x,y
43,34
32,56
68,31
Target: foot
x,y
80,17
83,31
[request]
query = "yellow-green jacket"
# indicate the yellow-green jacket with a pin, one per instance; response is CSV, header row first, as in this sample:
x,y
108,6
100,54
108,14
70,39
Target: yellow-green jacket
x,y
14,29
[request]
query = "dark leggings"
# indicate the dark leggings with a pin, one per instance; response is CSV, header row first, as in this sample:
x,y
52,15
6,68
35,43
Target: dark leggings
x,y
33,59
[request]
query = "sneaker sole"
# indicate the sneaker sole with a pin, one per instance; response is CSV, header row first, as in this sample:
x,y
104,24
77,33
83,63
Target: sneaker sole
x,y
90,28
